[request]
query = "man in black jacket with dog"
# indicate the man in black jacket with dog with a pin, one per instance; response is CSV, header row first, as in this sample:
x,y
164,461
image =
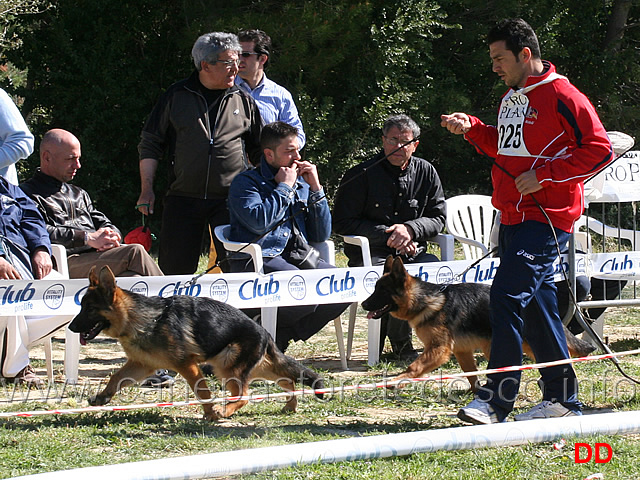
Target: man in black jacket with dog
x,y
396,200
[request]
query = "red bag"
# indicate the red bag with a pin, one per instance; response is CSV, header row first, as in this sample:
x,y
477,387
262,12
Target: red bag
x,y
141,235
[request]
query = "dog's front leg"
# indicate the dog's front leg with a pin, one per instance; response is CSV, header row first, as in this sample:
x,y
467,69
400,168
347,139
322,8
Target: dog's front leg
x,y
130,373
197,382
432,357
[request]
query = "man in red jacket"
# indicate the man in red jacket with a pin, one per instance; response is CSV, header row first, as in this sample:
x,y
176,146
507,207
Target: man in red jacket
x,y
548,140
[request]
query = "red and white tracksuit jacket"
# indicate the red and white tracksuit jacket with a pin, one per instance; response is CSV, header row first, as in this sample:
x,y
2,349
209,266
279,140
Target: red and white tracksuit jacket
x,y
551,127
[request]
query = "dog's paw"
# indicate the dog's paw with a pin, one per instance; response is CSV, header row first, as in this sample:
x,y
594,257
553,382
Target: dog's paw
x,y
288,408
397,383
213,414
98,400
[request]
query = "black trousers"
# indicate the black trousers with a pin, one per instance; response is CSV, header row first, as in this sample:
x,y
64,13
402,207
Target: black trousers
x,y
185,221
294,322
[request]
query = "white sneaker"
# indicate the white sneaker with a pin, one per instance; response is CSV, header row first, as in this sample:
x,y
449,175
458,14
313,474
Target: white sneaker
x,y
478,413
547,409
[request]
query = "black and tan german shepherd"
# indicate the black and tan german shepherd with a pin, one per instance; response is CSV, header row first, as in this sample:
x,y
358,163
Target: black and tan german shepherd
x,y
452,320
179,333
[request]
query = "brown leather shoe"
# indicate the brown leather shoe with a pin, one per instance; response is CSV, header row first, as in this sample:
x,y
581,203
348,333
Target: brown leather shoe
x,y
28,375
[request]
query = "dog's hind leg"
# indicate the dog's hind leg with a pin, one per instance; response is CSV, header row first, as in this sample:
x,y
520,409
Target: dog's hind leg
x,y
237,387
130,373
265,371
467,363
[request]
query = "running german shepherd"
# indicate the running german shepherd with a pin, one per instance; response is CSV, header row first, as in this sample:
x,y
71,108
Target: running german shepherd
x,y
179,333
447,320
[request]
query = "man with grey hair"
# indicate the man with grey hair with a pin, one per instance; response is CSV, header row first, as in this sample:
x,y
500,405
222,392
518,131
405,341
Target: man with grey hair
x,y
396,200
209,131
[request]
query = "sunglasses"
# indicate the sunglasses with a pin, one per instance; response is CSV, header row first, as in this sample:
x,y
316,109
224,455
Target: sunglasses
x,y
248,54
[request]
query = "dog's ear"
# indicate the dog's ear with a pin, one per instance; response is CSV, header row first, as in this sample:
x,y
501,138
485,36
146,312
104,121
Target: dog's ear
x,y
93,277
387,264
107,280
398,269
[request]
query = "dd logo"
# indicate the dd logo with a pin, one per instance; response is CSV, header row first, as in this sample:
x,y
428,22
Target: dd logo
x,y
589,452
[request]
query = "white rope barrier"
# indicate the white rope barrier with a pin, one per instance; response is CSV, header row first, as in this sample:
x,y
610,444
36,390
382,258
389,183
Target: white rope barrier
x,y
310,392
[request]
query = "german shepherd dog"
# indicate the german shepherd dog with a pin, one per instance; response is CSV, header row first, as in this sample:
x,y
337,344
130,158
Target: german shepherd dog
x,y
179,333
454,319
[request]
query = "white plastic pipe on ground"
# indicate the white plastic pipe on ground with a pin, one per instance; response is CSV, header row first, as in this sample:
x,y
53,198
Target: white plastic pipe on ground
x,y
223,464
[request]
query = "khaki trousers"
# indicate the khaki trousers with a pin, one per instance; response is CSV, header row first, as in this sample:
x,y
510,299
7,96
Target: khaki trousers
x,y
124,261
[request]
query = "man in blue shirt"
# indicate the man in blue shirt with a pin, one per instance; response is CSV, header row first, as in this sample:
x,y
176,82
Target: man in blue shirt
x,y
16,142
282,202
274,101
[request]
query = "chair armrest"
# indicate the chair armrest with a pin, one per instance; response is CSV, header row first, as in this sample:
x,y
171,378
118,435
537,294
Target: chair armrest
x,y
222,231
59,252
446,243
473,243
609,231
327,250
363,243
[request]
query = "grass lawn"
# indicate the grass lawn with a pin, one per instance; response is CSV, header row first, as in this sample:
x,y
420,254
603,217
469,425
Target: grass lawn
x,y
59,442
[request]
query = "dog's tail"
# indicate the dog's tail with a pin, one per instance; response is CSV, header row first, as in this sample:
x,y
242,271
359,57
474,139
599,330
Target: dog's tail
x,y
577,346
288,367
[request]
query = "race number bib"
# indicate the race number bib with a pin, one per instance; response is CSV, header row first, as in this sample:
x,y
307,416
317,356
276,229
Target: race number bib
x,y
513,111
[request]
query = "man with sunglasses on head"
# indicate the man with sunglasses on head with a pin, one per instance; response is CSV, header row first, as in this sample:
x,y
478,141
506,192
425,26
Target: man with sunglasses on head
x,y
282,204
274,101
209,131
396,200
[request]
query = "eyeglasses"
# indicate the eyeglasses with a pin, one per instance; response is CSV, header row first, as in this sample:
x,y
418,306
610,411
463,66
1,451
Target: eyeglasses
x,y
393,141
248,54
228,63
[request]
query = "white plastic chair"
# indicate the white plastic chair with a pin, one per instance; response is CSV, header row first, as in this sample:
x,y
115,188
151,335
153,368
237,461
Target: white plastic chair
x,y
72,340
444,241
590,224
269,315
470,219
596,226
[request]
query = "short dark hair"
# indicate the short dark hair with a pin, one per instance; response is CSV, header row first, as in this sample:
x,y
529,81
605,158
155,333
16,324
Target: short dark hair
x,y
273,134
402,122
516,34
261,40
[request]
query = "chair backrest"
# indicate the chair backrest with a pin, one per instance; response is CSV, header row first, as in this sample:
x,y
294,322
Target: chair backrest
x,y
470,219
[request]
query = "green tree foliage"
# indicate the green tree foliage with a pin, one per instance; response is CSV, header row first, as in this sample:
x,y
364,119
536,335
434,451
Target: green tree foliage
x,y
11,13
96,68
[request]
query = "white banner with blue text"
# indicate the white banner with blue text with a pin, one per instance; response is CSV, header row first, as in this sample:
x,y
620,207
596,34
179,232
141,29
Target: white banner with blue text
x,y
304,287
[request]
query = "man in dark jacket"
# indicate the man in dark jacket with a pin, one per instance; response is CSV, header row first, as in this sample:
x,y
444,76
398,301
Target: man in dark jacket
x,y
396,201
206,126
72,221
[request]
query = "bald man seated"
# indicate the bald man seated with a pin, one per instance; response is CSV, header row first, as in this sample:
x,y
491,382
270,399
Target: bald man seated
x,y
88,235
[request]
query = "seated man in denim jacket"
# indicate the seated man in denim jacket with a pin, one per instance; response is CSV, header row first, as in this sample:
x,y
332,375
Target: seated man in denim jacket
x,y
25,253
282,203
